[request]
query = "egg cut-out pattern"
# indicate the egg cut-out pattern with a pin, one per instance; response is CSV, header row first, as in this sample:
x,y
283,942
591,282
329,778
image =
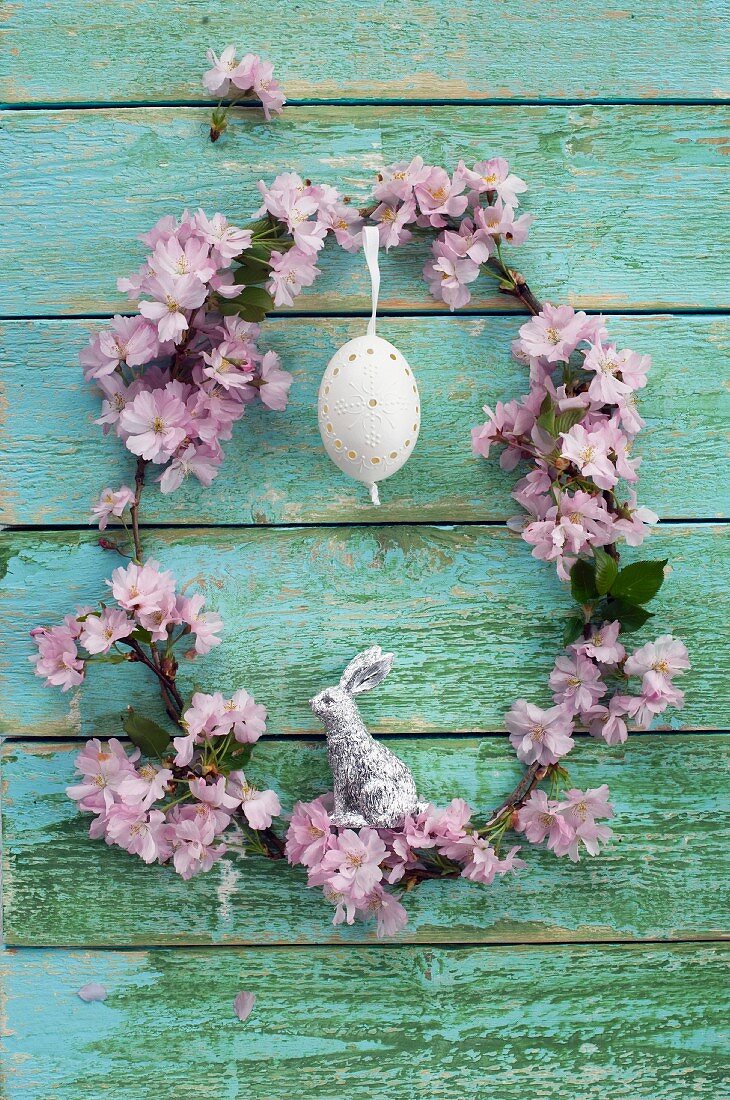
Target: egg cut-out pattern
x,y
369,408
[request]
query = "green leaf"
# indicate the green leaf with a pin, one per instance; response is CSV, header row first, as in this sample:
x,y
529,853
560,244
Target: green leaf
x,y
257,297
573,628
145,734
564,421
639,582
250,274
546,419
583,582
606,570
141,635
631,616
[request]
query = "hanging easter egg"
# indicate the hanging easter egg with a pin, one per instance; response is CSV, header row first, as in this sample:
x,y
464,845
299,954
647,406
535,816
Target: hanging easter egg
x,y
369,410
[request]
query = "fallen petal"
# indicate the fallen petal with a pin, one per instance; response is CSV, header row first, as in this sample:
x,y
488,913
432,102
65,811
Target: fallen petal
x,y
92,992
243,1005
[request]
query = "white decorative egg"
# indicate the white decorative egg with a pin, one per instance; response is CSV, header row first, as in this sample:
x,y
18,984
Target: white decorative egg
x,y
369,410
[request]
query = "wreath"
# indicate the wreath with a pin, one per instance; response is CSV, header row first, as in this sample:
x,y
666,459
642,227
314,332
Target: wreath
x,y
174,378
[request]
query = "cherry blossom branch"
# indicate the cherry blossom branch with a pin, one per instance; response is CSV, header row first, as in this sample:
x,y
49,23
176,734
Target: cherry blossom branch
x,y
139,475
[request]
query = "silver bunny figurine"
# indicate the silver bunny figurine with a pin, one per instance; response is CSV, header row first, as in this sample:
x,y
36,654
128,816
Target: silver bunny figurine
x,y
372,786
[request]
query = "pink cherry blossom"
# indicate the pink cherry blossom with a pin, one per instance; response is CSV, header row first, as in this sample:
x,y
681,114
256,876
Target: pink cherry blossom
x,y
100,632
274,383
309,834
555,333
439,198
539,818
201,461
226,241
390,915
580,809
396,182
57,660
608,722
144,785
143,589
139,832
576,683
111,503
539,736
103,769
92,991
193,850
602,644
353,863
156,423
204,625
290,271
130,340
266,88
588,450
259,807
657,662
245,717
223,69
392,222
499,220
172,297
493,175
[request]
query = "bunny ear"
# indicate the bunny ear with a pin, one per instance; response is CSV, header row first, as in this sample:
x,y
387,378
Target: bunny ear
x,y
366,670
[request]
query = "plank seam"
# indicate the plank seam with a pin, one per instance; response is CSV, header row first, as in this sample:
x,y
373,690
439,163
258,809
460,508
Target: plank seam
x,y
346,102
320,314
452,945
320,738
62,528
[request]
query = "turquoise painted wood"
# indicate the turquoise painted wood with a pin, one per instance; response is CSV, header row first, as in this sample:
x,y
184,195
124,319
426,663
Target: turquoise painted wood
x,y
276,470
657,880
475,622
626,198
629,201
422,1023
78,51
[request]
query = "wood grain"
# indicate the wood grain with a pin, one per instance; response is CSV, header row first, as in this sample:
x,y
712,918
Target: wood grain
x,y
474,621
625,1023
276,470
78,51
657,880
626,197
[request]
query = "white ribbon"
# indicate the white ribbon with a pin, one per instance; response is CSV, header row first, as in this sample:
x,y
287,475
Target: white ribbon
x,y
370,244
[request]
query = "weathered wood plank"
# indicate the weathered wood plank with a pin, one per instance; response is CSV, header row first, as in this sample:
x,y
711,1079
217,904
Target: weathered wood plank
x,y
276,470
626,1022
78,51
474,620
657,880
627,198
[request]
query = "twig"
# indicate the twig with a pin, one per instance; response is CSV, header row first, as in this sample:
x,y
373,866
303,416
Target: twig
x,y
134,508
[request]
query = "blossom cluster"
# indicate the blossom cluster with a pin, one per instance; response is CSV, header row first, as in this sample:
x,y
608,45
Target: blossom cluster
x,y
576,427
177,376
569,824
355,868
309,212
147,609
591,669
158,812
474,210
246,76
